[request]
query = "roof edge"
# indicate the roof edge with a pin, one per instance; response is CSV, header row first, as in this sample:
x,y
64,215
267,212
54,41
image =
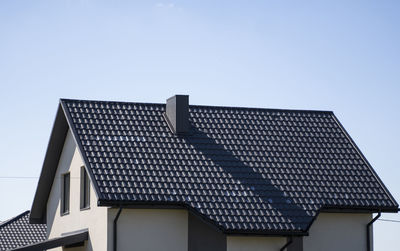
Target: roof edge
x,y
266,233
203,106
49,167
54,150
396,205
80,148
353,209
68,239
11,220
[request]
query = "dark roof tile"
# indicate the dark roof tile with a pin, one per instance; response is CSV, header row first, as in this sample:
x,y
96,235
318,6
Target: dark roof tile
x,y
244,169
18,232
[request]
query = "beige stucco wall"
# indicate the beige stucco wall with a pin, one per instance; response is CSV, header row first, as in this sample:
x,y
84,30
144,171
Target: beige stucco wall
x,y
150,229
334,231
246,243
95,218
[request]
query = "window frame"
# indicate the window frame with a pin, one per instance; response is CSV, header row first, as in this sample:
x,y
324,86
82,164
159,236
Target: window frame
x,y
84,190
65,193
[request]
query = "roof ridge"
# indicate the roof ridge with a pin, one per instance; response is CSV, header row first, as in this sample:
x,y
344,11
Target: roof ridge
x,y
15,218
203,106
264,109
109,101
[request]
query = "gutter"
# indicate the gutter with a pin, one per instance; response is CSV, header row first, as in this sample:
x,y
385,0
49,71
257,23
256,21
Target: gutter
x,y
369,248
287,244
115,229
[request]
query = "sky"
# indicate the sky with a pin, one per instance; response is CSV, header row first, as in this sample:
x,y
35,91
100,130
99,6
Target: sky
x,y
342,56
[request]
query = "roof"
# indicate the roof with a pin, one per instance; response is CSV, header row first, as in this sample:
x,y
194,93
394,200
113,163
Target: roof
x,y
71,239
247,170
18,232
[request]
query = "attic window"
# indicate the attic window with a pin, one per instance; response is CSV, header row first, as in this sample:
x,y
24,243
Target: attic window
x,y
85,189
65,191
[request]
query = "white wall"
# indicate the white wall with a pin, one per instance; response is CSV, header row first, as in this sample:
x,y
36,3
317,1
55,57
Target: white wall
x,y
334,231
95,218
246,243
150,229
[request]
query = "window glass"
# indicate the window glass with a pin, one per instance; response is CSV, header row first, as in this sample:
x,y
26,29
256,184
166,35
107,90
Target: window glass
x,y
85,189
65,193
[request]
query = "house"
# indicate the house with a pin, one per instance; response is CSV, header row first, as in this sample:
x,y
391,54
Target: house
x,y
18,232
143,176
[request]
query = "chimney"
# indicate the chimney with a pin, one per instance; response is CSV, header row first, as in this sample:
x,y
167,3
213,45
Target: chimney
x,y
177,113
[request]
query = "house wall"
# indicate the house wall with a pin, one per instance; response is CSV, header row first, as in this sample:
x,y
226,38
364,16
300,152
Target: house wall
x,y
95,218
149,229
334,231
245,243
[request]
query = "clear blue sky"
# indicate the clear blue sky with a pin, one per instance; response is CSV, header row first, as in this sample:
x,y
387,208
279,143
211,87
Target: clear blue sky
x,y
342,56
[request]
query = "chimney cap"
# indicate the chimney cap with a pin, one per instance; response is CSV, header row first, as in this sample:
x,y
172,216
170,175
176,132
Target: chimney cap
x,y
179,96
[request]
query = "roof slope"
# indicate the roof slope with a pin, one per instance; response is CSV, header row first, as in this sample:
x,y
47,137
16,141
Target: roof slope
x,y
244,169
18,232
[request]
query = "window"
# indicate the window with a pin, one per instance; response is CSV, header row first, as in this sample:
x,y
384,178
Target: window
x,y
85,189
65,194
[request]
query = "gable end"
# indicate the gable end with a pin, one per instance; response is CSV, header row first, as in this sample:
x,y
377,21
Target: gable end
x,y
50,164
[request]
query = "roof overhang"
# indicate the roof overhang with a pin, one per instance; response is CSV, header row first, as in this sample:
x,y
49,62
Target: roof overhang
x,y
62,123
355,209
53,153
72,239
